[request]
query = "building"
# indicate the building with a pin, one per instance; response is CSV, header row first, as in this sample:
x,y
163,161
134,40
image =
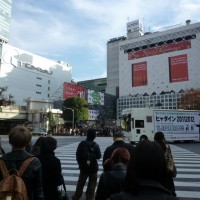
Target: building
x,y
30,76
95,84
155,68
5,16
113,65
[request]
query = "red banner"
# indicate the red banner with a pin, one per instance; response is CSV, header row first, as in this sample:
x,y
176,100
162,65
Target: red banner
x,y
139,74
178,68
71,90
160,50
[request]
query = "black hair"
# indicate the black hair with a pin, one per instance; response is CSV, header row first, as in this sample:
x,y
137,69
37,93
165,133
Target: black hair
x,y
147,162
48,144
159,137
91,134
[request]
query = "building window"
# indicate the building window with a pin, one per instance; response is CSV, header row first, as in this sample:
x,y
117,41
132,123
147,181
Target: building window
x,y
39,78
38,85
38,93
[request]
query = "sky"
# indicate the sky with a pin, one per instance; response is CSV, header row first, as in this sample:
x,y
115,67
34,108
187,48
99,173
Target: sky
x,y
77,31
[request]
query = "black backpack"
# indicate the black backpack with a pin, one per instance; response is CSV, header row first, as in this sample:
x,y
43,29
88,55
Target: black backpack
x,y
88,162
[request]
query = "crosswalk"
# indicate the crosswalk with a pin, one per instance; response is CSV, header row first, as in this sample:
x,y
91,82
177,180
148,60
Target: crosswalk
x,y
187,182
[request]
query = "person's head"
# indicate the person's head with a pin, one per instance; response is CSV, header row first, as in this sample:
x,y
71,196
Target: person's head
x,y
159,137
19,137
118,136
147,162
38,142
91,134
119,155
48,145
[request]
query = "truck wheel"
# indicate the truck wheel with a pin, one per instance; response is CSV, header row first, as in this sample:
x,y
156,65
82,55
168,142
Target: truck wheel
x,y
143,137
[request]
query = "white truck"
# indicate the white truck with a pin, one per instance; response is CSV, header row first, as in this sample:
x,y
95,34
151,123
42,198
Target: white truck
x,y
178,125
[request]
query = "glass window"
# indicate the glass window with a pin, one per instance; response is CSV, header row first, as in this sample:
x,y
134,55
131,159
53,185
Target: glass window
x,y
139,123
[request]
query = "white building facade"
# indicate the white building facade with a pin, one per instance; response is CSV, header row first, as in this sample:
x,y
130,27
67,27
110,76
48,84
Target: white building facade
x,y
27,75
5,16
155,68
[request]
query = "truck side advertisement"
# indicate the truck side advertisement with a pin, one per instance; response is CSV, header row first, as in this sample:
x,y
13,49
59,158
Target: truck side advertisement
x,y
177,125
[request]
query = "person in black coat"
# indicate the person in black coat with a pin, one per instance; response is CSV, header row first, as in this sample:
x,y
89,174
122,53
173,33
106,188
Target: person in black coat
x,y
112,179
90,171
159,137
146,174
118,138
51,168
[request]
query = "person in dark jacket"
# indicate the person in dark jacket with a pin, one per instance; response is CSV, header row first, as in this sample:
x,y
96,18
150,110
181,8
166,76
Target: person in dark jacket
x,y
146,174
159,137
84,173
51,168
19,137
36,147
112,179
118,138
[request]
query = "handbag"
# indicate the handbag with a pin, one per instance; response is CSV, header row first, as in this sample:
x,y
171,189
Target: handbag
x,y
170,163
62,192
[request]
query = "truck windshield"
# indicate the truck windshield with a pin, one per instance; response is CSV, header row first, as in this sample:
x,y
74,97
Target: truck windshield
x,y
126,122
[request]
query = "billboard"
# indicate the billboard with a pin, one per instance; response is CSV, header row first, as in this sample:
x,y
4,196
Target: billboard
x,y
177,125
95,98
139,74
71,90
93,114
159,50
178,68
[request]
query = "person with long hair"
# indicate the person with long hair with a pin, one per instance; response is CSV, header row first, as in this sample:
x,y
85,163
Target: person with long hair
x,y
112,179
146,174
159,137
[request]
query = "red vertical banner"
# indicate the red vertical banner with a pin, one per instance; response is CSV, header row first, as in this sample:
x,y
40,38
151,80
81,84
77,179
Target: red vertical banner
x,y
139,74
178,68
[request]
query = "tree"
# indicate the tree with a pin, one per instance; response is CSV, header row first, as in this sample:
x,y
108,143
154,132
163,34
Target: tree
x,y
78,106
190,100
52,123
4,101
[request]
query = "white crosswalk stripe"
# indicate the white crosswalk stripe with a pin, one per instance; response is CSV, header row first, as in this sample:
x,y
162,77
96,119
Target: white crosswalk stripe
x,y
187,182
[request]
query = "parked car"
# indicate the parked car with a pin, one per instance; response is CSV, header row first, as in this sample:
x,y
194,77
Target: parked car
x,y
38,131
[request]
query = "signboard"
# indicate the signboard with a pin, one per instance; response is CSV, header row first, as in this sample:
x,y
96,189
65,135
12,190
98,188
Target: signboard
x,y
159,50
139,74
178,68
93,114
72,90
177,125
95,98
134,26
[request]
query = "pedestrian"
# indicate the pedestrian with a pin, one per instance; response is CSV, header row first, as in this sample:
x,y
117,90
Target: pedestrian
x,y
19,137
118,139
146,174
112,179
2,152
87,154
51,168
36,147
160,138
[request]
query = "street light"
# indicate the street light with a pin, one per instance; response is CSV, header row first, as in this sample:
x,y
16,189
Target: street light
x,y
72,115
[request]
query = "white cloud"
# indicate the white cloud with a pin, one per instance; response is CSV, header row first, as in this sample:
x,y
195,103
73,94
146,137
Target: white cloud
x,y
78,30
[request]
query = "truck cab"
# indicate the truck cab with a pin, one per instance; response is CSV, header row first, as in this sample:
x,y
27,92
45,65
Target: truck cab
x,y
137,124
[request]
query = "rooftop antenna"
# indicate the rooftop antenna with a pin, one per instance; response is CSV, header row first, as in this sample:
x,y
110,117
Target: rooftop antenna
x,y
128,19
